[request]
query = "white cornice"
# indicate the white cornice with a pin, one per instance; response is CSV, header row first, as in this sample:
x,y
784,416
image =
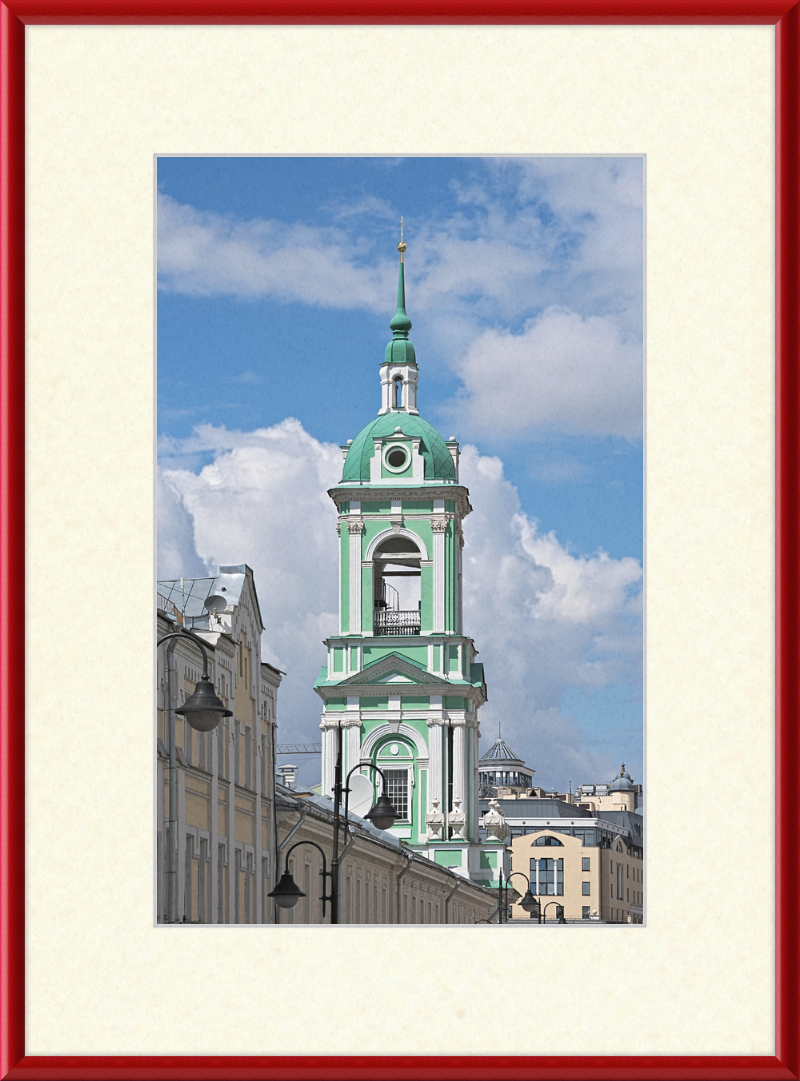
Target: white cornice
x,y
374,492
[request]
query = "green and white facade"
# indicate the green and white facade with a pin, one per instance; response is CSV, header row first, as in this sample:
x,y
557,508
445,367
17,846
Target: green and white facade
x,y
401,677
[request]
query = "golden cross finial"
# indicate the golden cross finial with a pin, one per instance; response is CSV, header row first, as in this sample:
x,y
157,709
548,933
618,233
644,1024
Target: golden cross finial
x,y
401,247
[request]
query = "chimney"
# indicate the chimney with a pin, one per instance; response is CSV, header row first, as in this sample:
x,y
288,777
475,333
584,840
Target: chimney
x,y
289,775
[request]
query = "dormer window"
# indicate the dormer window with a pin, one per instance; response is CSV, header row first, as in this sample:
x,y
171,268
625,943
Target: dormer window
x,y
398,392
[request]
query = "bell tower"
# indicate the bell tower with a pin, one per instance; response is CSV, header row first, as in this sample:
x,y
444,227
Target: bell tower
x,y
401,677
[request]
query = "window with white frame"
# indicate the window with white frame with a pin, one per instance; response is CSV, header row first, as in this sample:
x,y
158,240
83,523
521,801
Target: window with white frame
x,y
547,877
397,791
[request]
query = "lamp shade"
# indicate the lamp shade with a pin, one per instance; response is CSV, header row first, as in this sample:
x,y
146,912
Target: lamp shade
x,y
383,816
287,893
528,902
202,709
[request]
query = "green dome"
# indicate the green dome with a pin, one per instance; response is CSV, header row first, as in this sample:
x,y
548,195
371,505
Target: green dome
x,y
400,351
438,462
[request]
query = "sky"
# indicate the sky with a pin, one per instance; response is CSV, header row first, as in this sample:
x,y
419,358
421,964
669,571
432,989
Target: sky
x,y
277,278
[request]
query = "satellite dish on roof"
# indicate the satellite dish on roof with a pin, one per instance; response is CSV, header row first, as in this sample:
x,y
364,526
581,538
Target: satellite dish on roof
x,y
362,794
215,603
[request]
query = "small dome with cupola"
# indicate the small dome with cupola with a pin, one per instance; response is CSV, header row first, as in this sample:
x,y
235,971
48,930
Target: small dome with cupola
x,y
623,782
398,419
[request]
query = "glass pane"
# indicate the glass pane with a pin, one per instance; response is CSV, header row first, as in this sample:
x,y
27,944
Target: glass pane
x,y
397,790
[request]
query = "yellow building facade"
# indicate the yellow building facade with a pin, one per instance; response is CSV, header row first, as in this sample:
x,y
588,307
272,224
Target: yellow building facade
x,y
590,882
225,823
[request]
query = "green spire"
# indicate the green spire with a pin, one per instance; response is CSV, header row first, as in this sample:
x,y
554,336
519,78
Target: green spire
x,y
400,350
400,323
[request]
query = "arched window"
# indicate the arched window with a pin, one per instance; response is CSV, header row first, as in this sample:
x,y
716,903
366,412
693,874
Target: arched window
x,y
398,392
542,841
397,587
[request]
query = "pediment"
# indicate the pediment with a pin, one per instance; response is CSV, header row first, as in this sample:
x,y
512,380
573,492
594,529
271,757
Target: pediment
x,y
394,670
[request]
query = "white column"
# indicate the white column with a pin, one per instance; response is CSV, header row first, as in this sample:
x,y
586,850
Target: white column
x,y
438,525
460,763
435,767
356,528
328,758
473,810
353,751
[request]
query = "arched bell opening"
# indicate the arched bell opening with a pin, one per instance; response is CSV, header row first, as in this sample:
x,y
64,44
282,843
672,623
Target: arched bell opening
x,y
397,587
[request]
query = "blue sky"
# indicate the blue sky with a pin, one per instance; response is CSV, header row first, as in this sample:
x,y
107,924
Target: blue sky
x,y
277,280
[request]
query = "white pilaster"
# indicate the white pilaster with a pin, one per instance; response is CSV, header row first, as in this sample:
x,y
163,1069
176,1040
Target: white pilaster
x,y
328,758
438,526
355,526
435,753
459,763
353,752
473,808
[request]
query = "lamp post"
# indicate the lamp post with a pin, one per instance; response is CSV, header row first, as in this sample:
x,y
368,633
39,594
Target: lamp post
x,y
203,710
382,815
287,893
559,914
528,902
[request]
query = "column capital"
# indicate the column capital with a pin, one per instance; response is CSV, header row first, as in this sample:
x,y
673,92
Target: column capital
x,y
355,525
439,525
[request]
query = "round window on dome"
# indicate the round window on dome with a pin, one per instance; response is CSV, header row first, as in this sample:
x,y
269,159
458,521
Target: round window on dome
x,y
396,458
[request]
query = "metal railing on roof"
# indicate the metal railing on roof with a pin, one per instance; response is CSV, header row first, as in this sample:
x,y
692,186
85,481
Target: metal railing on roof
x,y
389,621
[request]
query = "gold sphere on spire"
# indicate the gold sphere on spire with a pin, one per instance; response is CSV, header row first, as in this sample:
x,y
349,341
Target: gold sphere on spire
x,y
401,247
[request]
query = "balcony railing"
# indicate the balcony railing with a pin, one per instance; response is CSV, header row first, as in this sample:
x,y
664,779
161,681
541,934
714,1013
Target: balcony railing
x,y
388,621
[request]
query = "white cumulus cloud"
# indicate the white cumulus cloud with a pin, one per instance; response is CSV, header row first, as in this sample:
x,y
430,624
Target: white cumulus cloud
x,y
543,618
562,372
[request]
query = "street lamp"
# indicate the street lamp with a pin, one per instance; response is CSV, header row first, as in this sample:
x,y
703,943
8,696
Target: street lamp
x,y
382,815
287,893
528,902
559,912
203,710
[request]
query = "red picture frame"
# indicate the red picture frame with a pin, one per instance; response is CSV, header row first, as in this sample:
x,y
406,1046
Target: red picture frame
x,y
14,1064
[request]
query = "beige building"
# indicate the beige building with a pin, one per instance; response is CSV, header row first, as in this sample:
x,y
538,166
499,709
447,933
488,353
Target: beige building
x,y
382,881
620,795
225,826
590,882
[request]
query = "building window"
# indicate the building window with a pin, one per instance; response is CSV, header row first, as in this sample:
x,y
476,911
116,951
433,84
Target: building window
x,y
397,791
585,863
586,888
540,841
248,878
201,882
187,886
264,888
585,912
547,877
222,893
619,881
248,741
398,393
